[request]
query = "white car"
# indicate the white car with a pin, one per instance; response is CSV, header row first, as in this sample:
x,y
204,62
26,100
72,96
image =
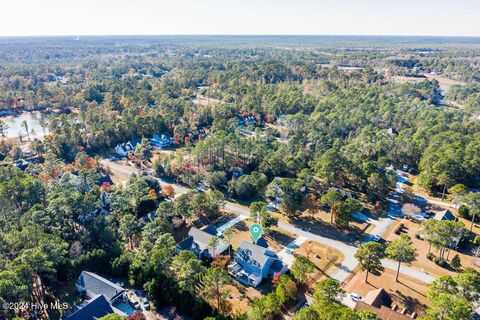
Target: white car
x,y
418,218
376,237
356,297
146,304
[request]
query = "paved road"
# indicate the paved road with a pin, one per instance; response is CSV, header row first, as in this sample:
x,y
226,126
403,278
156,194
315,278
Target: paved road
x,y
128,170
286,254
349,263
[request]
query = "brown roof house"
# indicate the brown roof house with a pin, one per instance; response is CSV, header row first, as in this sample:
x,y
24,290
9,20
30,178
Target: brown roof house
x,y
379,302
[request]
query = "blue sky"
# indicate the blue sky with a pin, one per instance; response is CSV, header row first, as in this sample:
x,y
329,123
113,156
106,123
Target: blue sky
x,y
126,17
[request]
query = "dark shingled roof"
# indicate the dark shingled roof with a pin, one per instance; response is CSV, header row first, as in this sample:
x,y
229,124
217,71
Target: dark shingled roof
x,y
96,308
445,215
98,285
253,254
199,239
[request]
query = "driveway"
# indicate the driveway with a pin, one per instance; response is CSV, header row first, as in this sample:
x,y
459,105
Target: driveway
x,y
230,223
286,254
349,263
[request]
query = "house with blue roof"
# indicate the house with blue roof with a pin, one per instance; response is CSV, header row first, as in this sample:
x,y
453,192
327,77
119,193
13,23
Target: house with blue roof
x,y
91,310
101,297
162,140
93,285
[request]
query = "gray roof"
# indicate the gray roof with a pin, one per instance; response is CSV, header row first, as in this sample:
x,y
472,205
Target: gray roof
x,y
445,215
198,240
96,308
253,254
98,285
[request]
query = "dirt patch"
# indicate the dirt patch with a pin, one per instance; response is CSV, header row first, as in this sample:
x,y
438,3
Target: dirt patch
x,y
324,257
407,293
241,297
204,101
443,82
274,238
411,228
318,222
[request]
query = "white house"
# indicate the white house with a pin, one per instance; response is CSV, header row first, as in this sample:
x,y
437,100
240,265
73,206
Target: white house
x,y
124,149
162,140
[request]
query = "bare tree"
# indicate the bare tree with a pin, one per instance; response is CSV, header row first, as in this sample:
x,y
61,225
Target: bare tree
x,y
409,209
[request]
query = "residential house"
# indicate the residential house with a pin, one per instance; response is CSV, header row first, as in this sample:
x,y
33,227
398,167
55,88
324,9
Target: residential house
x,y
379,302
246,119
445,215
253,263
91,310
198,241
392,131
21,164
124,149
101,297
161,140
345,193
93,285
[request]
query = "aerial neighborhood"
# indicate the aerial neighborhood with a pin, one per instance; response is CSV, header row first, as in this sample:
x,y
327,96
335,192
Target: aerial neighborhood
x,y
249,179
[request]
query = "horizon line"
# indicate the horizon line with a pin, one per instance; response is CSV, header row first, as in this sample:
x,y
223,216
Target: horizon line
x,y
238,35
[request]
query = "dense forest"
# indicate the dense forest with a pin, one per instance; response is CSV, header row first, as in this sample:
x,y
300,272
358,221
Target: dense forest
x,y
326,112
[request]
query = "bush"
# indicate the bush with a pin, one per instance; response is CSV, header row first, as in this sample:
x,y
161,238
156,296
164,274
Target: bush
x,y
464,212
247,186
456,263
430,256
476,241
440,262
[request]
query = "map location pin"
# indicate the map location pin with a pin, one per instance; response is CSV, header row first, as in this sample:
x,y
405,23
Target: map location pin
x,y
256,231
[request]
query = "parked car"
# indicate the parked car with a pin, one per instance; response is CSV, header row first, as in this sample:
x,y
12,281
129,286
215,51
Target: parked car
x,y
135,305
356,297
418,218
146,304
271,207
376,238
429,215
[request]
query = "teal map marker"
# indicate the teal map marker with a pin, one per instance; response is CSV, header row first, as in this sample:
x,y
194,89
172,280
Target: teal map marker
x,y
256,231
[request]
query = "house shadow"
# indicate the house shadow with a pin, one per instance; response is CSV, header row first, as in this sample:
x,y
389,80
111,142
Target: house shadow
x,y
224,219
241,226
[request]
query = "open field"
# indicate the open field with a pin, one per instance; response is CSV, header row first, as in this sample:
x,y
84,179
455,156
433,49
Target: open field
x,y
443,82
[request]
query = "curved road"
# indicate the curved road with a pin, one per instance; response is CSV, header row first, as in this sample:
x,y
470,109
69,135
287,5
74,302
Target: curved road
x,y
349,263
